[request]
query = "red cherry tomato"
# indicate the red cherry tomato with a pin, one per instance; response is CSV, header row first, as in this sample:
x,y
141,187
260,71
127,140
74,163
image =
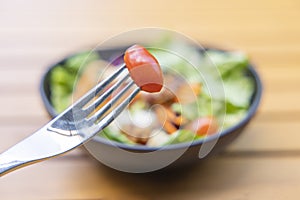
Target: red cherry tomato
x,y
144,69
204,126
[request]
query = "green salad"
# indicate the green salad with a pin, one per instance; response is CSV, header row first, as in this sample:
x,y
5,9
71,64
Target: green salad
x,y
204,93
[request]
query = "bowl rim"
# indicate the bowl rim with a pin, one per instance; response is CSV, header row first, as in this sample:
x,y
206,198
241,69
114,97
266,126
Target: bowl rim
x,y
143,148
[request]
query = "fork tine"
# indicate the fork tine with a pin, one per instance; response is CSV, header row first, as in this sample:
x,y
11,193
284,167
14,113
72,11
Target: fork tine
x,y
111,102
104,96
98,88
114,113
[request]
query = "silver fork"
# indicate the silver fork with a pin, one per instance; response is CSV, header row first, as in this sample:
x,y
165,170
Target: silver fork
x,y
74,126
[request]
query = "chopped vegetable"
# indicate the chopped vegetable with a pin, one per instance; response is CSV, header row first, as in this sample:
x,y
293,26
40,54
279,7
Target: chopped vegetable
x,y
202,92
182,135
63,77
143,68
158,138
203,126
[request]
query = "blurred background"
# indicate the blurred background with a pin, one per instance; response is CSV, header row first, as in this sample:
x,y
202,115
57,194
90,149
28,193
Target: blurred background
x,y
263,163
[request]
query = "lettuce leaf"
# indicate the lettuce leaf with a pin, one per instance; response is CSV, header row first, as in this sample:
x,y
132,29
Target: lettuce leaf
x,y
182,135
63,77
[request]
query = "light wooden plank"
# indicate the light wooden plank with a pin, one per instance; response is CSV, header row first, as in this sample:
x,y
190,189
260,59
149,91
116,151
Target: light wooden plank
x,y
91,6
20,78
21,106
223,177
276,135
50,38
222,14
286,101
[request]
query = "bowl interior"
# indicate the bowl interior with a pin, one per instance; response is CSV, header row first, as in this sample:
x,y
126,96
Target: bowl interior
x,y
113,54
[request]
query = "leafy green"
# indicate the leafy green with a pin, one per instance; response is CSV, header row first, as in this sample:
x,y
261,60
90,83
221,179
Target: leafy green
x,y
227,90
233,118
238,90
228,63
178,58
182,135
63,77
115,135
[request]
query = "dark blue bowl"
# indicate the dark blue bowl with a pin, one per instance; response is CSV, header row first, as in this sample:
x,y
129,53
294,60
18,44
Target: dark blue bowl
x,y
140,159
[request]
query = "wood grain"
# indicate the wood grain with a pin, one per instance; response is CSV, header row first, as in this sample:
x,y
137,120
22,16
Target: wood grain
x,y
263,163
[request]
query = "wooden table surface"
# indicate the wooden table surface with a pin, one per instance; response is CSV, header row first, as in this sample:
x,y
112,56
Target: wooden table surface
x,y
263,163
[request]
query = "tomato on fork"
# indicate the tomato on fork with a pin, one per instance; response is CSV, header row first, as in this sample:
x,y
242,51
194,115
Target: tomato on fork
x,y
144,69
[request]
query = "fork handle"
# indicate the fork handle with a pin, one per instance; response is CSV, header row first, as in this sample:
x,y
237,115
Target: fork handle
x,y
35,148
10,165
